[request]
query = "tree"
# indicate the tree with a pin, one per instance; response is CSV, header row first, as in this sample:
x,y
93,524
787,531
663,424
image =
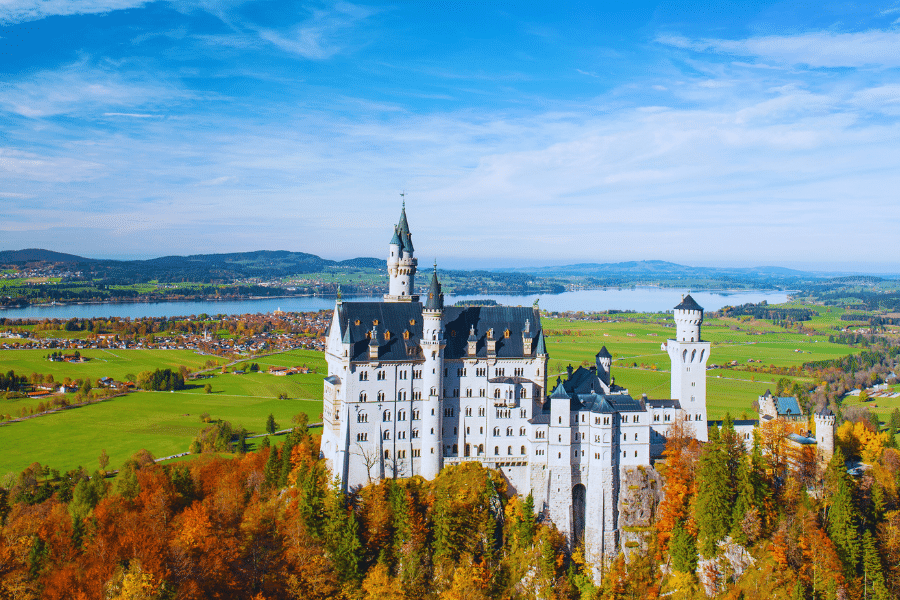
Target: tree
x,y
712,510
103,459
683,549
842,516
207,389
873,570
271,425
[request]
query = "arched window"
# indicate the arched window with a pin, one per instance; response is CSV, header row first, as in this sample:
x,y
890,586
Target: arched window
x,y
386,435
523,393
509,431
496,431
362,396
509,450
386,416
362,418
387,453
381,396
455,449
523,450
480,449
415,433
496,451
521,431
497,393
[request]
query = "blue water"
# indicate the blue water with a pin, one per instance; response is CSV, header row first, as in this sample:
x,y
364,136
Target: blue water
x,y
641,299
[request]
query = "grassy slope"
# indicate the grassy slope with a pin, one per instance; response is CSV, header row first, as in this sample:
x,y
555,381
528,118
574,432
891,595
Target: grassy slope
x,y
162,422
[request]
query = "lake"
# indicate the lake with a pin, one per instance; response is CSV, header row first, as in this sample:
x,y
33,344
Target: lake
x,y
640,299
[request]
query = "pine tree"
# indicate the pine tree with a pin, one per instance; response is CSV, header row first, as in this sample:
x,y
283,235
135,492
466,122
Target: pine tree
x,y
842,524
342,535
271,425
683,549
272,470
744,502
873,570
712,511
526,525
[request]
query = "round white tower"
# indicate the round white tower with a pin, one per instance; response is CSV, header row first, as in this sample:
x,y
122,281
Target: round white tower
x,y
432,374
401,264
689,355
824,420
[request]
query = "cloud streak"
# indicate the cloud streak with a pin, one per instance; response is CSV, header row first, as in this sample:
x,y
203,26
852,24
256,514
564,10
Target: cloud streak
x,y
20,11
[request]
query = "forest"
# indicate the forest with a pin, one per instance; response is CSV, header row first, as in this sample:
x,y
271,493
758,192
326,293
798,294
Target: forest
x,y
763,522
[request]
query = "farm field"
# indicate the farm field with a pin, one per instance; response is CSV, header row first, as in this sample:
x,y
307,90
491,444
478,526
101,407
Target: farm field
x,y
162,422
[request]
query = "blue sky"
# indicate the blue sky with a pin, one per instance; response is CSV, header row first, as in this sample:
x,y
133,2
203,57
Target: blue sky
x,y
727,133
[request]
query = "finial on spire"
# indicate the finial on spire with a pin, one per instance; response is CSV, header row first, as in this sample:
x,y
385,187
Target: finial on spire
x,y
339,293
403,195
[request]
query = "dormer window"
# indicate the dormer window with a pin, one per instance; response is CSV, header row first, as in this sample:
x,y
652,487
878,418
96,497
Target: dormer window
x,y
375,322
412,322
387,335
406,334
356,322
506,333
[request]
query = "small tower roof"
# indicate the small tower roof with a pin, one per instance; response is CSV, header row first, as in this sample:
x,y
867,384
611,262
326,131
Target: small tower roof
x,y
435,296
688,303
604,353
395,241
346,338
825,412
560,391
472,337
541,346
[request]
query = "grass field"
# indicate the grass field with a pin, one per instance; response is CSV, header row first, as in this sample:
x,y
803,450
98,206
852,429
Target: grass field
x,y
165,423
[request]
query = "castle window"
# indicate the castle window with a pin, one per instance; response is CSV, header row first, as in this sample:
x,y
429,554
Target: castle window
x,y
497,393
523,413
519,372
415,433
401,415
480,449
416,453
362,396
363,375
699,418
386,416
687,418
656,418
480,411
521,431
624,453
356,322
406,334
416,415
387,454
381,375
668,418
468,411
417,374
636,418
523,393
624,437
523,451
482,393
606,420
387,434
401,435
381,396
375,322
412,322
481,372
509,431
496,451
635,453
455,449
417,395
456,392
496,431
362,437
469,393
453,334
624,418
448,412
362,418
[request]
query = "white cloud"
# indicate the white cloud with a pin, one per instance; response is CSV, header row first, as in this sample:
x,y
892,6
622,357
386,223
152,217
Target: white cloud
x,y
325,33
873,48
18,11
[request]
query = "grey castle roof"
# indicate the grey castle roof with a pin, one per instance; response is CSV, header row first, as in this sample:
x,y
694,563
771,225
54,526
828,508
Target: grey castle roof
x,y
435,296
402,236
688,303
396,318
825,412
604,353
584,390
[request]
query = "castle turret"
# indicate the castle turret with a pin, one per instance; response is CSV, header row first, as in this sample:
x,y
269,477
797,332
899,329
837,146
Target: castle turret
x,y
603,360
401,264
689,356
433,350
824,420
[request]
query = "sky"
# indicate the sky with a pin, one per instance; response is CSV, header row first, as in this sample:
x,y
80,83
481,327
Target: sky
x,y
523,134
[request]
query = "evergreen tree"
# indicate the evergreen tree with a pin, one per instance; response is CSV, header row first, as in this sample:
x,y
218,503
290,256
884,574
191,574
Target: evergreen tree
x,y
744,501
271,425
272,470
712,511
342,535
873,570
526,525
842,523
683,549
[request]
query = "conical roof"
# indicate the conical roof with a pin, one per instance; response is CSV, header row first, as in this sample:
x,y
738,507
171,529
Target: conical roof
x,y
604,353
688,303
346,339
541,345
396,239
435,296
560,391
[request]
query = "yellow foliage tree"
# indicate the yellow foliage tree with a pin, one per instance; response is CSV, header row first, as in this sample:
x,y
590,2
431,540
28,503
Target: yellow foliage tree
x,y
379,585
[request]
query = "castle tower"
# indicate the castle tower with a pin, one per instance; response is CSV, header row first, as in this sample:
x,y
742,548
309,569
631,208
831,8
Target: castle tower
x,y
603,360
824,420
689,355
401,264
432,374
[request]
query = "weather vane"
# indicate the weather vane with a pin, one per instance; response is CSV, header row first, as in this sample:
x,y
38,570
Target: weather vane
x,y
403,195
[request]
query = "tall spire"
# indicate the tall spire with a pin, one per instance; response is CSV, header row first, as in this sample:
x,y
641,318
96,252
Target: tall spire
x,y
435,296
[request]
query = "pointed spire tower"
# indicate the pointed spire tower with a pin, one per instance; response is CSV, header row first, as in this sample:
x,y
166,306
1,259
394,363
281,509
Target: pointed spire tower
x,y
401,263
433,345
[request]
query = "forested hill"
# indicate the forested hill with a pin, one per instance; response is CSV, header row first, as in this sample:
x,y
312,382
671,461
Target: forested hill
x,y
200,268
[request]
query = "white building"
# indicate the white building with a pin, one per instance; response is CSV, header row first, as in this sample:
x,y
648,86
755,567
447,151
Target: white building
x,y
415,386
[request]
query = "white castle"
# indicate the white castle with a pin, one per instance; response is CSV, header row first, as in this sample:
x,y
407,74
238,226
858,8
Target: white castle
x,y
414,386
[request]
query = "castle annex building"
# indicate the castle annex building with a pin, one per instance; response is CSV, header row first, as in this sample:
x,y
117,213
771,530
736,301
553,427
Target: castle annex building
x,y
414,385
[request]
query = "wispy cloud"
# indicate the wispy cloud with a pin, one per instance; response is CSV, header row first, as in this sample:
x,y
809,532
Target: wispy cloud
x,y
322,35
873,48
19,11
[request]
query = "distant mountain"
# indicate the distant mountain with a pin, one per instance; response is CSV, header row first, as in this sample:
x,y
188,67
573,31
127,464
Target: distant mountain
x,y
659,269
202,268
37,255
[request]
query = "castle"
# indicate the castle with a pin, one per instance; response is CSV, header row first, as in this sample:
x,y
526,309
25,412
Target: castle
x,y
415,386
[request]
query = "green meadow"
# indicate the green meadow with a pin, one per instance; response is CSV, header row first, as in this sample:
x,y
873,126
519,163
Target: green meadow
x,y
166,422
162,422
